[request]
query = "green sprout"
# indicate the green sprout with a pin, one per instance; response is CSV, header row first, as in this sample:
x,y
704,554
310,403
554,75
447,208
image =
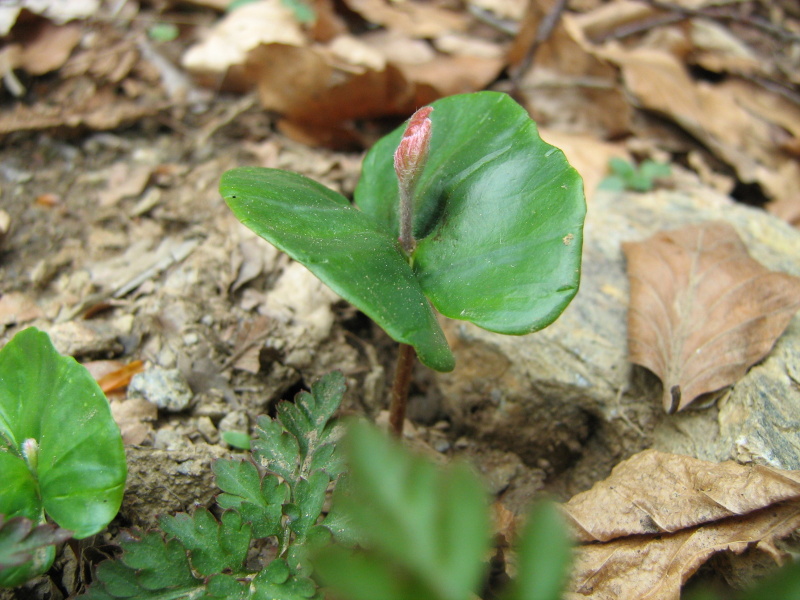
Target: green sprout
x,y
484,225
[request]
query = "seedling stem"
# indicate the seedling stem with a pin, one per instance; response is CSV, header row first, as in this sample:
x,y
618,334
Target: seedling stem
x,y
409,161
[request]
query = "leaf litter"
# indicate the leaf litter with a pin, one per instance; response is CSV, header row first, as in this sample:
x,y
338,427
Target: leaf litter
x,y
702,311
658,517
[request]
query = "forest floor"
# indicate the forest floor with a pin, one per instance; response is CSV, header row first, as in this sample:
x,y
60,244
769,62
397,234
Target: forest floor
x,y
117,124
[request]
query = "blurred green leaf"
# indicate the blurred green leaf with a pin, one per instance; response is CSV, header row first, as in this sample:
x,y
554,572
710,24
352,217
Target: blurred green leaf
x,y
544,556
427,527
626,176
163,32
236,439
783,584
301,10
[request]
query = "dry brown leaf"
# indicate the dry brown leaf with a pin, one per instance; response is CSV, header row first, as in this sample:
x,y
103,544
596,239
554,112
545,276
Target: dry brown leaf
x,y
661,516
47,47
411,18
229,41
702,311
124,181
655,492
134,417
120,378
318,95
655,567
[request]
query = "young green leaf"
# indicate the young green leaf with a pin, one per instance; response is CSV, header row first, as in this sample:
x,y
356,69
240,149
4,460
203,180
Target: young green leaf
x,y
498,222
309,496
498,215
278,582
60,450
343,247
276,449
300,440
204,559
236,439
425,526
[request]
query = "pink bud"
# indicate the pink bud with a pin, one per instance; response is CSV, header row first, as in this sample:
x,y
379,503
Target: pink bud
x,y
412,153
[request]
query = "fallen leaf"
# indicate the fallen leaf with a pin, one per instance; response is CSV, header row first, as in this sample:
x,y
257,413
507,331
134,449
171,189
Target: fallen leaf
x,y
47,47
124,181
655,492
120,378
702,311
134,417
655,568
660,516
411,18
17,308
242,30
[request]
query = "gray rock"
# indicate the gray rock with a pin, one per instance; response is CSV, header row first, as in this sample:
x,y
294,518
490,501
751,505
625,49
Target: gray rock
x,y
568,394
166,388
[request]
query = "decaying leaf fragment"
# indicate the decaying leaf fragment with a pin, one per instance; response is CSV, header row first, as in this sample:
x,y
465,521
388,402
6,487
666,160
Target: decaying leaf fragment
x,y
701,310
659,517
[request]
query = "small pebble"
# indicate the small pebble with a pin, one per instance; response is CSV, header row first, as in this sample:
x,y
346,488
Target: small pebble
x,y
166,388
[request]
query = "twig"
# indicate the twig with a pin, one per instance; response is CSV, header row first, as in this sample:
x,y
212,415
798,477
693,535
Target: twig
x,y
676,13
543,32
722,12
231,113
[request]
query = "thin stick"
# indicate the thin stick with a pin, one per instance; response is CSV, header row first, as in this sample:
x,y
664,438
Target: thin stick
x,y
543,32
400,387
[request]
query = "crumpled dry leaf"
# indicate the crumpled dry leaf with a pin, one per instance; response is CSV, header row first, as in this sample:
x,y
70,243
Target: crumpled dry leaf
x,y
58,12
45,47
246,28
409,17
661,516
655,492
702,311
105,82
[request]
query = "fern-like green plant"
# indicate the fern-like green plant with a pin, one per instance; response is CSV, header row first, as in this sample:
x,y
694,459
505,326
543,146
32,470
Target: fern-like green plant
x,y
199,556
423,531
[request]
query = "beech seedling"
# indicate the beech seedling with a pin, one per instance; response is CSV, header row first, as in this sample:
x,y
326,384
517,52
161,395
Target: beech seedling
x,y
466,211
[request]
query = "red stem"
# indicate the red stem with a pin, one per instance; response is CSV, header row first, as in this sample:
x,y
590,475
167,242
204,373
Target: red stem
x,y
400,387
